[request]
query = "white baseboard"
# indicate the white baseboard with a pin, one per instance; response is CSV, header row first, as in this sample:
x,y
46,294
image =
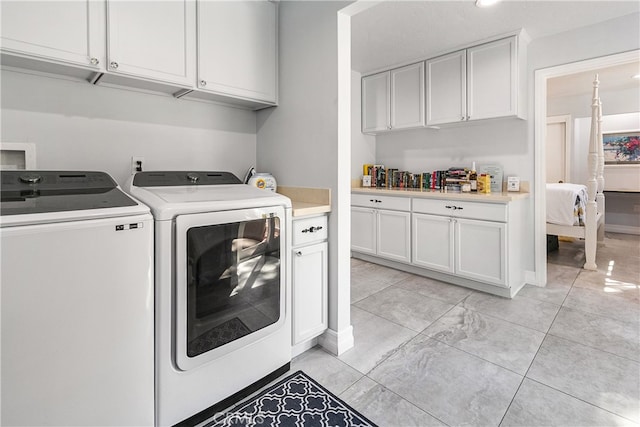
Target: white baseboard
x,y
298,349
625,229
530,278
337,342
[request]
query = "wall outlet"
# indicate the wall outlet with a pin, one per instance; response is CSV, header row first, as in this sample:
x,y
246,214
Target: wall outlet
x,y
136,164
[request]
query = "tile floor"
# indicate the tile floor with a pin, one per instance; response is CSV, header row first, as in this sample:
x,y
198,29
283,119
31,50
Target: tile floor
x,y
427,353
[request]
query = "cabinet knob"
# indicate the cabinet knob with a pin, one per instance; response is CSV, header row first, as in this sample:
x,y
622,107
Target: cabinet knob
x,y
114,65
462,119
203,83
298,253
449,207
468,117
94,61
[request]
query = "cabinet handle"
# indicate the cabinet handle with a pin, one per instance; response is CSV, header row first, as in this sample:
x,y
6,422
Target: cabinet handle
x,y
298,253
114,65
312,229
375,200
458,207
468,117
462,118
449,207
94,61
203,83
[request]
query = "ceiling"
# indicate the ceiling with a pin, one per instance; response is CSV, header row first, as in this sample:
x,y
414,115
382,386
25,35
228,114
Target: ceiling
x,y
396,32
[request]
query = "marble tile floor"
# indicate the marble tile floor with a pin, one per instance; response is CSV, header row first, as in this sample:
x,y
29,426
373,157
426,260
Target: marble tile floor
x,y
429,354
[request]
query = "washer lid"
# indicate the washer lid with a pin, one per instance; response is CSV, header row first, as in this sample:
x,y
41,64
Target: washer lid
x,y
211,192
44,193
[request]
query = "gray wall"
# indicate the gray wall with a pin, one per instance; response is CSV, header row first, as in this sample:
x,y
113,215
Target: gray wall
x,y
75,125
298,141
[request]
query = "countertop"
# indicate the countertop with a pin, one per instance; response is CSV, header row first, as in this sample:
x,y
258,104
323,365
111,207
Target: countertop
x,y
307,201
503,197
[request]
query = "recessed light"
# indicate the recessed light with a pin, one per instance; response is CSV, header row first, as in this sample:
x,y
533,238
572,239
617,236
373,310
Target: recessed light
x,y
486,3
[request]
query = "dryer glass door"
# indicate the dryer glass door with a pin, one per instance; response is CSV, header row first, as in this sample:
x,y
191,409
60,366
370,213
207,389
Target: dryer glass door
x,y
230,281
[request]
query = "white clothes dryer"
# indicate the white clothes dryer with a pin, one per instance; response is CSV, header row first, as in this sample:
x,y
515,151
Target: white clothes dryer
x,y
223,317
77,301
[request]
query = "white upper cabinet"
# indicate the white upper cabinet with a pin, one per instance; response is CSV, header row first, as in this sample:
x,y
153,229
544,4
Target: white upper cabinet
x,y
407,96
447,88
393,100
375,102
66,33
492,80
152,39
481,82
237,49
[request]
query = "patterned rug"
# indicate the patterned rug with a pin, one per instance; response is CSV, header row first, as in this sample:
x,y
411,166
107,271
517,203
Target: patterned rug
x,y
297,400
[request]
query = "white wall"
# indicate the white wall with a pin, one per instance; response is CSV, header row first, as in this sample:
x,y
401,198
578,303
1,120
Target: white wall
x,y
298,141
613,101
76,125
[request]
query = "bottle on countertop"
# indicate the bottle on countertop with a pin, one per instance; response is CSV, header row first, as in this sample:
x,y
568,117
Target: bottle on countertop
x,y
473,178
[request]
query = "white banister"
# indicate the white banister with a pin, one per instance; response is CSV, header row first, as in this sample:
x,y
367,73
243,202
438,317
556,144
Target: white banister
x,y
591,215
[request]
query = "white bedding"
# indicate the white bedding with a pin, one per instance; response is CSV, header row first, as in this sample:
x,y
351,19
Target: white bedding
x,y
563,205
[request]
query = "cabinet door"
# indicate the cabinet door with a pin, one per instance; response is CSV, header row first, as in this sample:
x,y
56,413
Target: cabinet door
x,y
492,80
433,242
310,281
394,235
363,230
152,39
481,250
375,102
446,89
70,31
407,96
237,48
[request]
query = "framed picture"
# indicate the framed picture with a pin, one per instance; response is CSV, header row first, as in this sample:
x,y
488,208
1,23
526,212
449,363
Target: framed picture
x,y
621,147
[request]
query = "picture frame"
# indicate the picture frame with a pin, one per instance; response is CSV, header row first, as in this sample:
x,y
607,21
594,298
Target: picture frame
x,y
621,147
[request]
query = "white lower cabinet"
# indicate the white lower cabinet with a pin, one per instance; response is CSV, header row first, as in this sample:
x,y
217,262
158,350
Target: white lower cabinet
x,y
469,243
480,250
433,242
310,278
394,235
468,248
381,232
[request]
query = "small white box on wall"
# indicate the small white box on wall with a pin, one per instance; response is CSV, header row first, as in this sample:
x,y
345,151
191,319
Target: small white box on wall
x,y
17,155
513,183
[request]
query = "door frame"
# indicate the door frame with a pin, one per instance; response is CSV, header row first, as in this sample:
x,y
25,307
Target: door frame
x,y
540,128
568,141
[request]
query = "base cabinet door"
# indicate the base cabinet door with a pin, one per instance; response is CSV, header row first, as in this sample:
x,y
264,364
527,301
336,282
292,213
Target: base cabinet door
x,y
433,242
309,291
394,235
363,230
481,250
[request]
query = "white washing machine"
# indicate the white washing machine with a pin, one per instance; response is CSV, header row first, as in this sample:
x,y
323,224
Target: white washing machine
x,y
77,302
223,317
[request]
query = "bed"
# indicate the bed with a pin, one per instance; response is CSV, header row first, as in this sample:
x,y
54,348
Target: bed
x,y
576,210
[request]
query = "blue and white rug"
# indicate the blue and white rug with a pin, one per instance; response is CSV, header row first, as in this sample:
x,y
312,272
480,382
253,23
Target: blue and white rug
x,y
296,401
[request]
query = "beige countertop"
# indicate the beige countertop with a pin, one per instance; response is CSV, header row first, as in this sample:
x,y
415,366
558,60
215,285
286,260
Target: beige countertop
x,y
307,201
503,197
